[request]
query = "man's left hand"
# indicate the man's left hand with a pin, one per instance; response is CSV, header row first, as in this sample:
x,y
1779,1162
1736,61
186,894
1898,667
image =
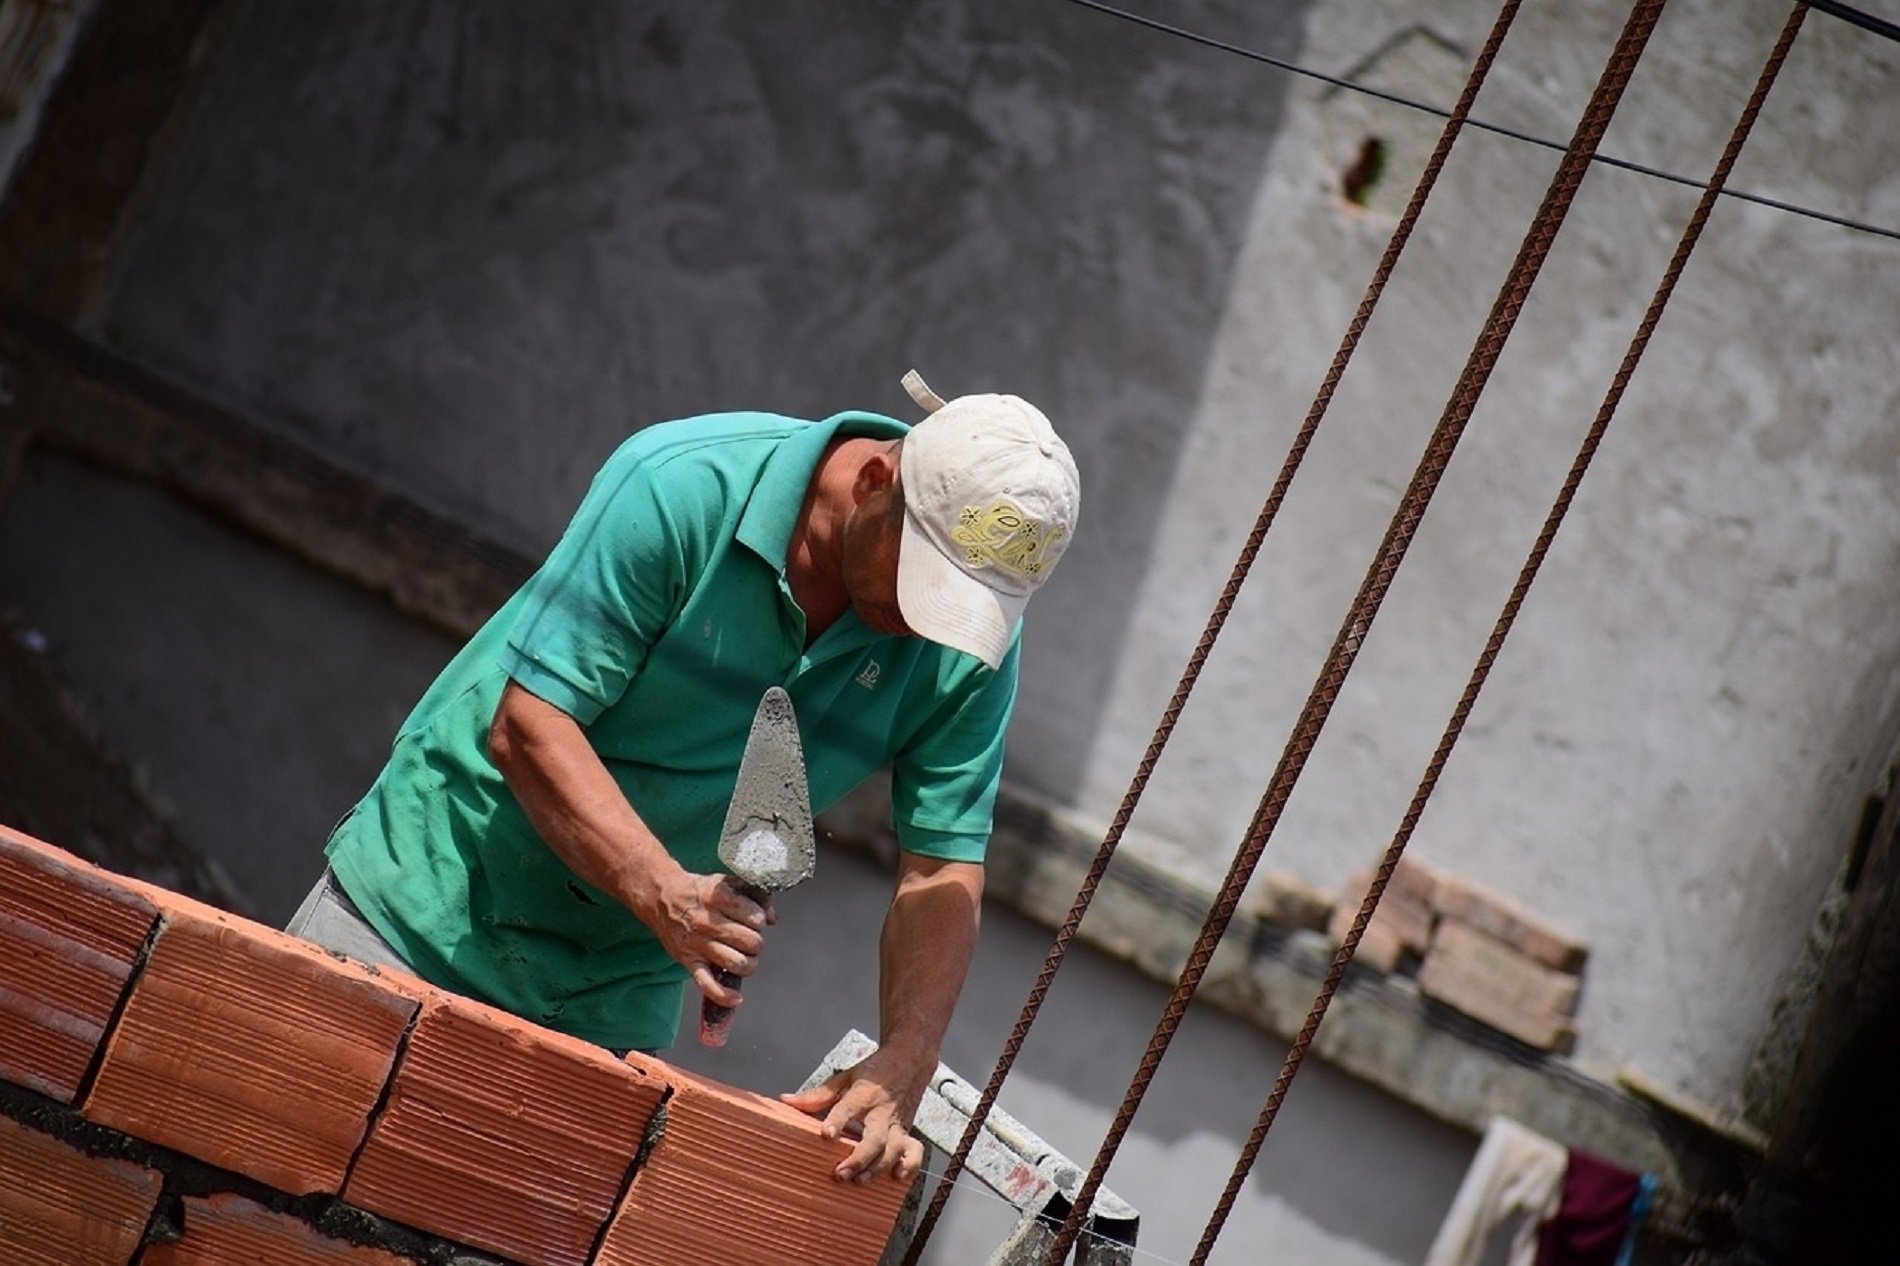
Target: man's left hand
x,y
872,1102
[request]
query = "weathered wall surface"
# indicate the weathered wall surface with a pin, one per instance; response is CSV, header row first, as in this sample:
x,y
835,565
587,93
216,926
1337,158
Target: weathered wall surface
x,y
465,250
468,251
1673,750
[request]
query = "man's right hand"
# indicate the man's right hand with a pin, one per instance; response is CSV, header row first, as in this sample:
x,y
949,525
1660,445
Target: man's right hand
x,y
708,926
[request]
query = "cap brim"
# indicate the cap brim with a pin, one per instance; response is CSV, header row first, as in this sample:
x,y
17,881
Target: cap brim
x,y
943,603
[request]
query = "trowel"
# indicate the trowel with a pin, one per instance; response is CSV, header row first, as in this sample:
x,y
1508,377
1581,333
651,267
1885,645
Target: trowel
x,y
766,843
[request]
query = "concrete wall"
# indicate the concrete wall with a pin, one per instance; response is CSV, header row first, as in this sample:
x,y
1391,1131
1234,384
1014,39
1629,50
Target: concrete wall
x,y
465,248
1672,752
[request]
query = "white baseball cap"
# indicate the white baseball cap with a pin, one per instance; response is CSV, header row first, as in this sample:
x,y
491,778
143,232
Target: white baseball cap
x,y
991,497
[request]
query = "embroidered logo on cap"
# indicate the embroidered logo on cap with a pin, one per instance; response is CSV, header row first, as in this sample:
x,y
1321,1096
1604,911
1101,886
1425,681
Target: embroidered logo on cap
x,y
1003,536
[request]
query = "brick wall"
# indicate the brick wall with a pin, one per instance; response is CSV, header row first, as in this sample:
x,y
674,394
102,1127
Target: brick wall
x,y
183,1087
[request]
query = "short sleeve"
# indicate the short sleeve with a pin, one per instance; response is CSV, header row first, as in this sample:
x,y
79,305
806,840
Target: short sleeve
x,y
607,591
944,780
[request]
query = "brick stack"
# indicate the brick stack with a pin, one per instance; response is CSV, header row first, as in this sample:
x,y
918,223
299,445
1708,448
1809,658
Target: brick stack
x,y
1472,950
189,1088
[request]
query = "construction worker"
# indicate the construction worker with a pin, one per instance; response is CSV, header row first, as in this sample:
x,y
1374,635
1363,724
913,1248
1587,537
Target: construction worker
x,y
543,836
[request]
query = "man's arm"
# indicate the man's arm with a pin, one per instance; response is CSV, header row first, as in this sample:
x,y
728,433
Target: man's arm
x,y
578,810
923,956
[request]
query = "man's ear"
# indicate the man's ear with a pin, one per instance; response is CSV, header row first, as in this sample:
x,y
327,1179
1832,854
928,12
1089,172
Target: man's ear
x,y
876,473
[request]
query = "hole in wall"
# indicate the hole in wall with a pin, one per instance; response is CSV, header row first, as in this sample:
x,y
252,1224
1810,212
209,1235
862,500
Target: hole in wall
x,y
1358,181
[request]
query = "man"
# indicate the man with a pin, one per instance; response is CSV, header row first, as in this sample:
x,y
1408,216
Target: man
x,y
544,834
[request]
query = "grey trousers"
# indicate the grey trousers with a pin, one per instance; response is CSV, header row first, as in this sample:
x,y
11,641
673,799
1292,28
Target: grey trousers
x,y
330,919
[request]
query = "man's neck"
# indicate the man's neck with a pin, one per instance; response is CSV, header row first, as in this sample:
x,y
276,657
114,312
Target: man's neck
x,y
814,561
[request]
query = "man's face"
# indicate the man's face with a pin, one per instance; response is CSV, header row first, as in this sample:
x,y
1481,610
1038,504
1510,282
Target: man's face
x,y
871,539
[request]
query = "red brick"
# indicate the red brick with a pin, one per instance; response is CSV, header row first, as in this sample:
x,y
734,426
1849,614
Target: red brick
x,y
69,937
505,1136
743,1180
1490,981
228,1230
1496,915
249,1049
61,1207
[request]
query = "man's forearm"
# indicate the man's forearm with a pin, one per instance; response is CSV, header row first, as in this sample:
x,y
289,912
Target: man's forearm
x,y
578,810
928,939
923,955
574,804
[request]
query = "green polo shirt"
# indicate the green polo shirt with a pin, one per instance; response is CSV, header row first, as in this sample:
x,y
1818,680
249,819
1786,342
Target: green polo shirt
x,y
656,622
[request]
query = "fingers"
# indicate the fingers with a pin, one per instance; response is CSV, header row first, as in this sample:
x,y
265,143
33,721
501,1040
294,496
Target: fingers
x,y
700,911
712,928
707,981
889,1150
756,914
732,961
719,975
911,1163
733,951
816,1101
859,1109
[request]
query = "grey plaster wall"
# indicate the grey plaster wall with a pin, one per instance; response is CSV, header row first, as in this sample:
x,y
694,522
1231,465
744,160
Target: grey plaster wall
x,y
255,696
1673,750
466,247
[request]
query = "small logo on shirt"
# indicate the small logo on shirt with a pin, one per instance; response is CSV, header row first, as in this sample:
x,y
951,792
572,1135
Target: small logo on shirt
x,y
868,675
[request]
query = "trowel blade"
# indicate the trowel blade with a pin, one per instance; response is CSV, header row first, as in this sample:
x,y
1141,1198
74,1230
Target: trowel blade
x,y
767,840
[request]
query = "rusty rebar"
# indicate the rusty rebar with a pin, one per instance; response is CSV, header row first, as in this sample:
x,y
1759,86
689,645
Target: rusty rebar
x,y
1478,367
1243,564
1593,439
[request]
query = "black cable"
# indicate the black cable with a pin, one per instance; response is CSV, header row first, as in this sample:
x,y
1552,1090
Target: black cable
x,y
1828,6
1866,21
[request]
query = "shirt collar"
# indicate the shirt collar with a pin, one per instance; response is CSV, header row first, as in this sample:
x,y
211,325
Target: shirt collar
x,y
772,511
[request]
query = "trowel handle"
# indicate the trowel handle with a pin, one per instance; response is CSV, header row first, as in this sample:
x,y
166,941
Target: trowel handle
x,y
715,1021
